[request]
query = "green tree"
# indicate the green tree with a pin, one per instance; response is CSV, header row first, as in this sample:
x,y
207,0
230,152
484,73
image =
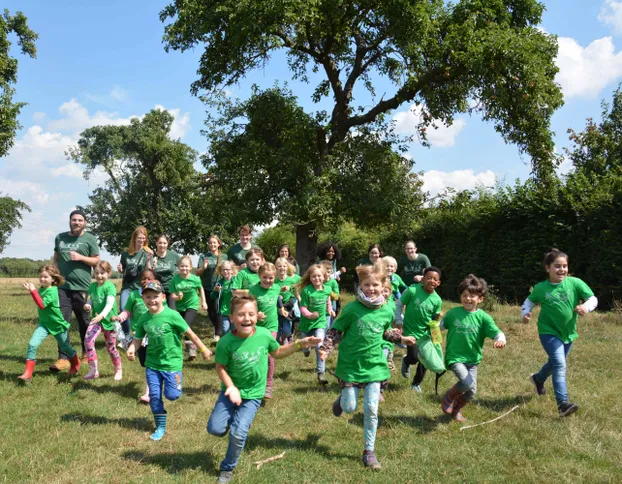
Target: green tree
x,y
9,110
151,181
474,56
10,218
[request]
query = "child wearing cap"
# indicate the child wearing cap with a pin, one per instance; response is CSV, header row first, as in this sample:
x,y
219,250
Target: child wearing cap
x,y
164,361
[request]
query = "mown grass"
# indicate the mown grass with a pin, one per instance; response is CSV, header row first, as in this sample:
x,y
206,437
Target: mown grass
x,y
57,430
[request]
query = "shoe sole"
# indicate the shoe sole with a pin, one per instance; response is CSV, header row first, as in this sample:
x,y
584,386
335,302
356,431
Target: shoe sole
x,y
572,409
535,386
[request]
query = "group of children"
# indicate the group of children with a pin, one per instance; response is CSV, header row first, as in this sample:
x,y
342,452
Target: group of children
x,y
257,304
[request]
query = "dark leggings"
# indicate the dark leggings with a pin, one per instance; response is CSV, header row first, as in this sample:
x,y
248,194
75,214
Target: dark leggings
x,y
188,315
412,358
169,300
74,301
212,313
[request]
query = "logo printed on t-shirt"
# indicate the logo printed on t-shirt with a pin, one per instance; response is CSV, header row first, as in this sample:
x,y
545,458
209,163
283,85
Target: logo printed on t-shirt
x,y
70,246
557,297
247,358
155,331
368,328
464,327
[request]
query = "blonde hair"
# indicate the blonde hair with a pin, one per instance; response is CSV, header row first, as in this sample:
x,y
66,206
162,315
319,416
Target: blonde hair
x,y
132,247
52,270
291,270
104,266
387,259
306,279
221,266
185,258
377,270
267,267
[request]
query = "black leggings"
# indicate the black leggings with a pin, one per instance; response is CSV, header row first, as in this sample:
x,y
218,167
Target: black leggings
x,y
170,302
189,315
412,358
74,301
212,313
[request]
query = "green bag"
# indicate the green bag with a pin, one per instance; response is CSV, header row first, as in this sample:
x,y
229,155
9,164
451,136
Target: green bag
x,y
430,349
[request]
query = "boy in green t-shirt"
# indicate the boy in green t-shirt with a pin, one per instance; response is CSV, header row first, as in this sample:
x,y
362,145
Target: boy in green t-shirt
x,y
467,328
164,327
242,364
422,306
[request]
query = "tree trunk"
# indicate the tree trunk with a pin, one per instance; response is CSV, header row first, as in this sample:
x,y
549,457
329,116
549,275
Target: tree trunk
x,y
306,243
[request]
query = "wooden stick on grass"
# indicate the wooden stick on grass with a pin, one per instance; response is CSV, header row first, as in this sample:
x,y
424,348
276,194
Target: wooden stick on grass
x,y
490,421
259,463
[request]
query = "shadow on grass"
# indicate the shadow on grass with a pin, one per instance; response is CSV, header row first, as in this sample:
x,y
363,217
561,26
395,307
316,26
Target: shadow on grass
x,y
502,404
213,389
175,462
127,390
420,423
22,359
311,442
283,375
144,424
20,320
199,366
313,387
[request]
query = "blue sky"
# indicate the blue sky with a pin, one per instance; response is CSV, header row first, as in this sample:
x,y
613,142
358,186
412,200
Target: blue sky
x,y
102,62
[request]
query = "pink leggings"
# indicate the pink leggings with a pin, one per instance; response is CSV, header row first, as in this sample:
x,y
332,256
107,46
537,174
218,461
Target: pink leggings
x,y
271,367
111,343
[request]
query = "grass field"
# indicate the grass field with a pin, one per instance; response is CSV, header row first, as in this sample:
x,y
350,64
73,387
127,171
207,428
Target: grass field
x,y
57,430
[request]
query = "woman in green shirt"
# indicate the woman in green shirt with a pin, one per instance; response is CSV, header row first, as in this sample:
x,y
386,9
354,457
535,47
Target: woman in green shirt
x,y
206,270
164,265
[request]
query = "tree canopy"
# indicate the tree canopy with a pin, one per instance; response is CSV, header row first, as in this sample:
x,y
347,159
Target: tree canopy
x,y
10,218
9,110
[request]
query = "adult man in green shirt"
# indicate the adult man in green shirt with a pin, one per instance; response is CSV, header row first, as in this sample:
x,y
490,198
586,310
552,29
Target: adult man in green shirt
x,y
237,252
75,253
410,266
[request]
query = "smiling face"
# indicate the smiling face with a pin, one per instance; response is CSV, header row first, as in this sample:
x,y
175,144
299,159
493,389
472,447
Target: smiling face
x,y
372,286
266,279
391,268
374,255
431,281
317,278
184,267
227,271
147,276
152,300
213,245
45,279
411,250
558,270
161,245
284,252
254,262
330,253
281,269
470,300
140,241
77,224
245,318
101,275
245,238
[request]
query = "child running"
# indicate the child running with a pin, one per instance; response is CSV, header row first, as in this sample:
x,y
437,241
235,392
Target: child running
x,y
387,346
225,271
422,306
559,298
51,320
315,302
164,327
135,308
362,327
286,279
102,295
467,328
186,289
248,276
330,281
241,365
267,293
398,286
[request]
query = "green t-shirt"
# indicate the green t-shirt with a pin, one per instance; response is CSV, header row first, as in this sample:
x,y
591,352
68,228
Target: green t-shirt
x,y
289,281
246,360
189,287
77,274
557,301
245,279
136,306
164,330
408,269
397,286
421,308
333,285
237,254
266,303
98,295
466,332
50,317
133,264
223,297
166,267
209,276
360,357
315,301
387,344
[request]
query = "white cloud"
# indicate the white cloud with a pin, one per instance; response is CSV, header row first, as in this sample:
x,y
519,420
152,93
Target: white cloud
x,y
75,118
611,15
585,71
181,124
38,117
439,135
435,181
71,170
118,94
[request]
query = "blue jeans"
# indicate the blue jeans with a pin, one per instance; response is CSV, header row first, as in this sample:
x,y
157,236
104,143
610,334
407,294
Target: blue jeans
x,y
158,380
123,297
556,366
285,327
226,324
320,366
227,416
371,397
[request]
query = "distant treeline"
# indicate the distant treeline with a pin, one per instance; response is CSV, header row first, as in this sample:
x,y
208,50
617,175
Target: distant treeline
x,y
13,267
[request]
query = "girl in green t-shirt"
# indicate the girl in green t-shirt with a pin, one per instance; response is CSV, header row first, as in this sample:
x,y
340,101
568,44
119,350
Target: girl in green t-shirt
x,y
187,291
330,281
248,276
222,293
362,327
102,302
287,278
51,320
560,301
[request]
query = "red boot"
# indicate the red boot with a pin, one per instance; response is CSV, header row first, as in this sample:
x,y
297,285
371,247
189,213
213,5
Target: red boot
x,y
448,400
456,413
75,364
27,375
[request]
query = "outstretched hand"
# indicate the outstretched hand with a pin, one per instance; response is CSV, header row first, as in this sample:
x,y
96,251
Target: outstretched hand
x,y
29,286
409,340
207,354
234,395
527,317
310,341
